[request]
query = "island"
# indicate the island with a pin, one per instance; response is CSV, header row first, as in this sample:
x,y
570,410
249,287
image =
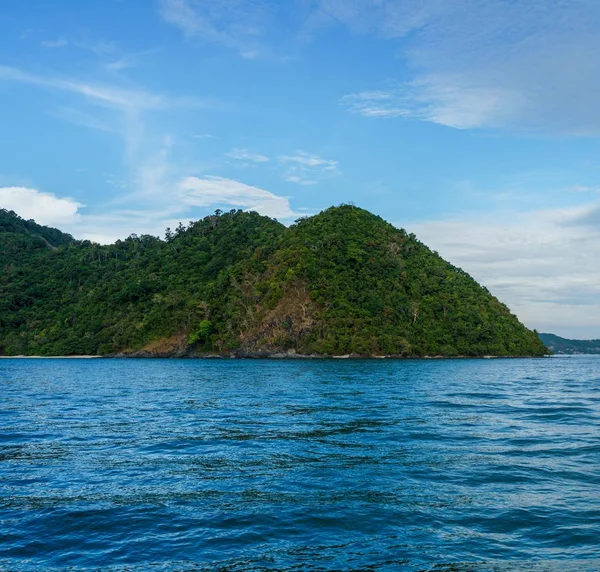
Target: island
x,y
237,284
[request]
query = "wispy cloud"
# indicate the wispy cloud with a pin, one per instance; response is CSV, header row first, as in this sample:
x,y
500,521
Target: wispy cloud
x,y
155,172
375,104
474,67
129,104
235,24
106,95
112,58
307,160
306,169
245,155
301,168
151,172
298,180
116,61
118,65
438,100
58,43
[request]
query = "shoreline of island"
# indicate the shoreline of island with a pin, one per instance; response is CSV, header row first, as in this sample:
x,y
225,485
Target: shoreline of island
x,y
275,356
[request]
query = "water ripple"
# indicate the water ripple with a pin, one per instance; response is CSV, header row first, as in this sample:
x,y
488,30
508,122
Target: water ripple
x,y
446,466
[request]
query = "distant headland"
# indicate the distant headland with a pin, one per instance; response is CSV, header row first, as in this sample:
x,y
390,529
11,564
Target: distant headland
x,y
559,345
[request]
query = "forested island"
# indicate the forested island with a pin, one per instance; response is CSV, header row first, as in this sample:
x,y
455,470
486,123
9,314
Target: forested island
x,y
237,284
559,345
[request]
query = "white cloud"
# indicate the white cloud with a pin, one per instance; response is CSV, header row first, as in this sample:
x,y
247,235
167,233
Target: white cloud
x,y
118,222
375,104
543,264
164,211
119,65
452,101
123,61
246,155
44,208
214,191
307,160
439,100
305,168
298,180
486,64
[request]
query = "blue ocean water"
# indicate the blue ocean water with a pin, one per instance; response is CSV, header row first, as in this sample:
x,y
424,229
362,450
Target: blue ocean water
x,y
445,465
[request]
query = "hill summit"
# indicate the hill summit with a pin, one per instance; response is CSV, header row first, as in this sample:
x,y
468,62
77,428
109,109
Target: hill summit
x,y
237,283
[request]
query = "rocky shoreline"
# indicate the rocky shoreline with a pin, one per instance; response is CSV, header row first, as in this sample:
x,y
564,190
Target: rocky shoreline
x,y
188,353
279,355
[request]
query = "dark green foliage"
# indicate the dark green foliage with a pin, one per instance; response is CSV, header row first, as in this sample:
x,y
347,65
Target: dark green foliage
x,y
202,333
565,346
340,282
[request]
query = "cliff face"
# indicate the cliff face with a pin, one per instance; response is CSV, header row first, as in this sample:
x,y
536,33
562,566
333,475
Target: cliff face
x,y
341,282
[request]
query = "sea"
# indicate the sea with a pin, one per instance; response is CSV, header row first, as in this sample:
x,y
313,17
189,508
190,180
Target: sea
x,y
462,465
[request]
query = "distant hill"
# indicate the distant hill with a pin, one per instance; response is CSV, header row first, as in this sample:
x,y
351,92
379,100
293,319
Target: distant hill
x,y
340,282
560,345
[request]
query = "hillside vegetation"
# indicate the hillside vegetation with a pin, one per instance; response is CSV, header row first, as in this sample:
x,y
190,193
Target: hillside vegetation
x,y
341,282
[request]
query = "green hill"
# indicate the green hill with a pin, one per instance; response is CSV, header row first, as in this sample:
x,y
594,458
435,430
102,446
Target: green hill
x,y
560,345
341,282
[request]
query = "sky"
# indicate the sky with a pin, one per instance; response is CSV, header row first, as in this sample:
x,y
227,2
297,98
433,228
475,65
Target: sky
x,y
474,124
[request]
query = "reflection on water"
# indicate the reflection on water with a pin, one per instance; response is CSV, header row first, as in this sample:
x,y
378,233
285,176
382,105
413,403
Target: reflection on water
x,y
461,465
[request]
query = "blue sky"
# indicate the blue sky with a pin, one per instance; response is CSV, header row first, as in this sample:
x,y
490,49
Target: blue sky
x,y
472,123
